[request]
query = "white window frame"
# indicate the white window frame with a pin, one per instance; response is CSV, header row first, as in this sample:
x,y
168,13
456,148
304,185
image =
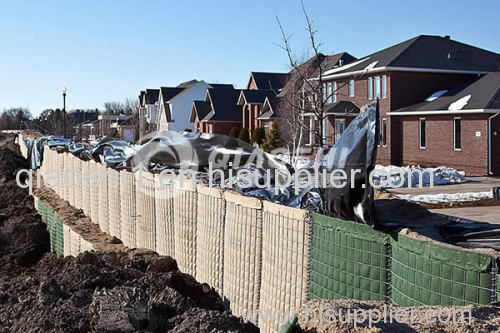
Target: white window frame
x,y
324,91
455,134
370,88
325,131
384,86
376,84
334,92
420,133
351,88
328,92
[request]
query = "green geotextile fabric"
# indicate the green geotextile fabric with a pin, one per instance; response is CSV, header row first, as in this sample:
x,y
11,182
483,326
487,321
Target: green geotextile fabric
x,y
348,260
423,273
57,230
54,227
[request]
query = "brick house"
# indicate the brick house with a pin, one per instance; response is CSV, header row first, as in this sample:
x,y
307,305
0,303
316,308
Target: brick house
x,y
292,92
218,112
401,76
260,86
251,102
459,128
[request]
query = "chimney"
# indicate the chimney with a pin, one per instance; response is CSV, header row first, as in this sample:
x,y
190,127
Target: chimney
x,y
447,37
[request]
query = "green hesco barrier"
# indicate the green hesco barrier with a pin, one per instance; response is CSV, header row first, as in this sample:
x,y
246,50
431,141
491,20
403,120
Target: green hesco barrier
x,y
54,227
424,273
43,210
57,229
348,260
50,227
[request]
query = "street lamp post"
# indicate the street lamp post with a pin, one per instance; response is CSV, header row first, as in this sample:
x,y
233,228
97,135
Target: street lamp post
x,y
64,111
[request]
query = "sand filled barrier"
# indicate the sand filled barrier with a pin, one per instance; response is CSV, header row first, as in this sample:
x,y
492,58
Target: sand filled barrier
x,y
242,252
164,210
210,237
128,209
185,224
285,261
145,205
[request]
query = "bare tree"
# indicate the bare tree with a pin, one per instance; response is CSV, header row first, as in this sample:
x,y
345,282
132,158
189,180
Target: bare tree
x,y
304,94
113,107
14,118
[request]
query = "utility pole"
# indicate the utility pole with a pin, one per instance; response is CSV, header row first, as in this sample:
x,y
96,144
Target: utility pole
x,y
64,111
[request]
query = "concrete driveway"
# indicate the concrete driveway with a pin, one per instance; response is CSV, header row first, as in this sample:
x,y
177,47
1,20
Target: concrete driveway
x,y
474,184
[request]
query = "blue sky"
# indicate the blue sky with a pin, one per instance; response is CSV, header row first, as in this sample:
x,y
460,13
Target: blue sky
x,y
108,50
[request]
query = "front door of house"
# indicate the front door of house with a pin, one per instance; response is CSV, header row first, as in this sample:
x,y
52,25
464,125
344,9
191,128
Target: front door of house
x,y
339,128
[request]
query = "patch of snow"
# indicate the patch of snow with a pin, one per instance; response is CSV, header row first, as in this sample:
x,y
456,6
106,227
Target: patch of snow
x,y
341,68
447,197
371,66
436,95
460,103
358,210
393,176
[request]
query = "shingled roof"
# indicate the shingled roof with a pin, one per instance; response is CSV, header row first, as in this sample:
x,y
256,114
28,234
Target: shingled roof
x,y
269,109
479,94
426,53
152,96
223,105
255,96
168,93
199,109
342,108
269,80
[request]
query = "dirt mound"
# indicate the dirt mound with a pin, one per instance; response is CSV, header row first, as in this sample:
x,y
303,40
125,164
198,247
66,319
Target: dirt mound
x,y
321,316
124,291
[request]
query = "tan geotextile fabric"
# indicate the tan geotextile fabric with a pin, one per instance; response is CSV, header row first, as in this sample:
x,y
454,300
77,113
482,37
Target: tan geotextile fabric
x,y
63,189
86,205
185,200
128,209
77,178
35,202
285,253
114,202
145,205
94,191
85,245
59,165
75,243
69,178
66,240
210,237
50,171
103,199
164,210
242,252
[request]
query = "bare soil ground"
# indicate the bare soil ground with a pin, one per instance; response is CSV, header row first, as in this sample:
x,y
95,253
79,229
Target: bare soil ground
x,y
321,316
114,291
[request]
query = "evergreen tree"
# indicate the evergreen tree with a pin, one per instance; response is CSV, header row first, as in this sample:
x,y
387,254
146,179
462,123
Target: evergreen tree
x,y
244,135
273,139
258,136
234,132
